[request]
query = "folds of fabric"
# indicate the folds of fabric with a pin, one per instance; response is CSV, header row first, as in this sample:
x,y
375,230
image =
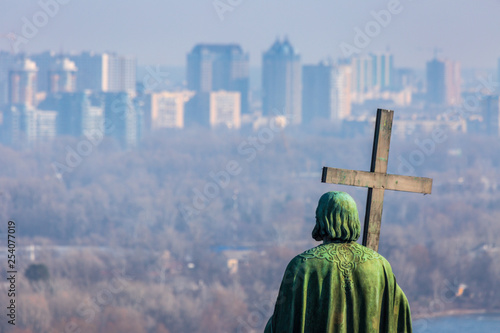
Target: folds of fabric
x,y
340,287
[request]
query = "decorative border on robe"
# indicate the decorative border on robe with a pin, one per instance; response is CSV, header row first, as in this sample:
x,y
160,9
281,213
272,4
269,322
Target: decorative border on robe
x,y
346,256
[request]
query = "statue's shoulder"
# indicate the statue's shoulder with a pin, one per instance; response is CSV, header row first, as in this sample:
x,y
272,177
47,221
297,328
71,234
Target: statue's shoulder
x,y
335,252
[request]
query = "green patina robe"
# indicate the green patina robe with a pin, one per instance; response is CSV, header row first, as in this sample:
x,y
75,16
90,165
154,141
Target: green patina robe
x,y
340,287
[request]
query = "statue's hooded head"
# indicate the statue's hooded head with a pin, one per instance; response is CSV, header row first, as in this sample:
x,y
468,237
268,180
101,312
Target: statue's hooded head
x,y
336,218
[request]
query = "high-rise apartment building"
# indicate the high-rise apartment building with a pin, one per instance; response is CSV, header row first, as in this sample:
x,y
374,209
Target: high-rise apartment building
x,y
362,74
282,82
491,115
383,71
45,125
453,82
166,109
436,84
120,118
225,109
45,61
443,82
93,71
372,73
93,121
71,108
62,76
23,83
105,72
122,73
7,62
341,91
316,92
11,125
213,67
108,72
326,92
28,125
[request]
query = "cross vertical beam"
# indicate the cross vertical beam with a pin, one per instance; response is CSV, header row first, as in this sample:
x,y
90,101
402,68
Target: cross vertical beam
x,y
375,198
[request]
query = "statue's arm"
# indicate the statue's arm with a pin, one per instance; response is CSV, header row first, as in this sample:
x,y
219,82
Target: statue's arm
x,y
269,326
404,313
401,306
284,302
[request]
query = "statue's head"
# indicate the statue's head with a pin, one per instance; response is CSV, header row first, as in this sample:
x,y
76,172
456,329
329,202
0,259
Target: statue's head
x,y
336,218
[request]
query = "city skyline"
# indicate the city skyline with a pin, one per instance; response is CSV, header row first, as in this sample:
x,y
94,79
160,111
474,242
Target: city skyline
x,y
61,102
66,93
318,30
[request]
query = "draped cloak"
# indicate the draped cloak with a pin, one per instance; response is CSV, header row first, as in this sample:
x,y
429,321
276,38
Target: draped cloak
x,y
340,287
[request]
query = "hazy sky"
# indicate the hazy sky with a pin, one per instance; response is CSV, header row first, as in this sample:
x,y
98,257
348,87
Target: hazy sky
x,y
163,31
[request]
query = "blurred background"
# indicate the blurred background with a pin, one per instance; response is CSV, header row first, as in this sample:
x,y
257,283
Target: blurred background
x,y
162,159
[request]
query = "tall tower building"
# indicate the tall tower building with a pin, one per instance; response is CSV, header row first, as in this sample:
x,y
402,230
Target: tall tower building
x,y
453,81
62,76
436,85
491,115
326,92
362,74
45,125
72,107
23,83
93,71
12,125
121,118
107,72
383,71
213,67
27,124
281,81
93,121
7,62
316,92
45,61
122,73
443,82
341,91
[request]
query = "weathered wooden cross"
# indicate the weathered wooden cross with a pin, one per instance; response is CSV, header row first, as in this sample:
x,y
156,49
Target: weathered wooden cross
x,y
377,180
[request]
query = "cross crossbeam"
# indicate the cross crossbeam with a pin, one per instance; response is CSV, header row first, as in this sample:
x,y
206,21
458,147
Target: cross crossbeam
x,y
377,180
